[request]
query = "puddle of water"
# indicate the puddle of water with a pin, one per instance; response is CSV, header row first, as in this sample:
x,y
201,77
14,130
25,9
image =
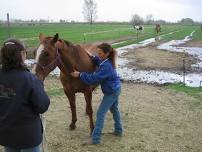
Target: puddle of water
x,y
161,77
173,47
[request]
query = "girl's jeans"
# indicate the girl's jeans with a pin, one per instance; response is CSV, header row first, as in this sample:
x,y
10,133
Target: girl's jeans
x,y
33,149
109,101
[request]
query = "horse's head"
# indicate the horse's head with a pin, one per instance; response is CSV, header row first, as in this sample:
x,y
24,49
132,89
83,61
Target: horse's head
x,y
45,56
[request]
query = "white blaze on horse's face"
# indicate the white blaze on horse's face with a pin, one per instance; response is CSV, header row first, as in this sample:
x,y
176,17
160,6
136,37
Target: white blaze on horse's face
x,y
38,53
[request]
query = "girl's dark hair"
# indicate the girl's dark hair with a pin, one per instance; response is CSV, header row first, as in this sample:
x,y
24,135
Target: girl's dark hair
x,y
11,55
112,53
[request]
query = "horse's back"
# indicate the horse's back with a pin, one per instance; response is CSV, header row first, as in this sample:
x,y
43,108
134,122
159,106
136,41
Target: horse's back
x,y
91,48
81,62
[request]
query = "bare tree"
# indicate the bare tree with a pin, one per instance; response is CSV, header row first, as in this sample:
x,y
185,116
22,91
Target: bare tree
x,y
136,20
90,11
149,19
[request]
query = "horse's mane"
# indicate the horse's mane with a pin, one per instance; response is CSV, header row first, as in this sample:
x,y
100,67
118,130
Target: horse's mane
x,y
67,43
75,52
74,48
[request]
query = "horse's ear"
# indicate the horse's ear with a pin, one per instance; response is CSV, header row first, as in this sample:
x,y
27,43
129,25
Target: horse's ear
x,y
55,38
41,37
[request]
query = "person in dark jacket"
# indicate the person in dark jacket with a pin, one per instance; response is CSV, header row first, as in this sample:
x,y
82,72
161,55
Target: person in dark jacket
x,y
107,76
22,99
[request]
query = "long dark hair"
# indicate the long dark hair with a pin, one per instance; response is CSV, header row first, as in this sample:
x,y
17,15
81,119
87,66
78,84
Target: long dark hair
x,y
106,48
11,55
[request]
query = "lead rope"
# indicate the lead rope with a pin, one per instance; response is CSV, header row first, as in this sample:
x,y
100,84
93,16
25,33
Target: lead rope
x,y
44,147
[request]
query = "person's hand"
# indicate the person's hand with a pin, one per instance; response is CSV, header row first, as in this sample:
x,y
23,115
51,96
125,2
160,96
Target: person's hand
x,y
75,74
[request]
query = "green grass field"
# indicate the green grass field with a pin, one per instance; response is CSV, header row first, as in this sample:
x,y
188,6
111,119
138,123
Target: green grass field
x,y
80,33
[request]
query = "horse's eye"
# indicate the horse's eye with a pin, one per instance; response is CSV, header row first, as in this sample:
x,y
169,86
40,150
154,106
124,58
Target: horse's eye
x,y
46,53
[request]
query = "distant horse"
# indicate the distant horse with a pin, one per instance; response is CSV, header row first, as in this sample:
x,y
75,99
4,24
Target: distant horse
x,y
158,28
138,27
53,52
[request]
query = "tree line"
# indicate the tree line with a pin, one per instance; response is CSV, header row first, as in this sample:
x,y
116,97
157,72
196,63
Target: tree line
x,y
90,16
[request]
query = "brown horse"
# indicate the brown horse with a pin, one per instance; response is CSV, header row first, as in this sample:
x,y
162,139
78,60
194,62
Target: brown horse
x,y
158,28
53,52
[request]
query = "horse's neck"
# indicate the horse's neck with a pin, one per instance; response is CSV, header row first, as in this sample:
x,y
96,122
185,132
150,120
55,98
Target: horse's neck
x,y
66,61
75,58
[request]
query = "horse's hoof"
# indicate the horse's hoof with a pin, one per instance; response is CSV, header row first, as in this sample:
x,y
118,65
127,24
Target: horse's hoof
x,y
72,127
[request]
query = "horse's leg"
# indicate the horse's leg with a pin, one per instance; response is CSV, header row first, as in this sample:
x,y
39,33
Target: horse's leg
x,y
71,97
89,109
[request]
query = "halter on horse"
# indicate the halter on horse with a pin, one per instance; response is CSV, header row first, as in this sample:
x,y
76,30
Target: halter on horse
x,y
53,52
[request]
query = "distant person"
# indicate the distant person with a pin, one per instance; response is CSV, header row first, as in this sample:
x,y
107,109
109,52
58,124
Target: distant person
x,y
105,75
22,99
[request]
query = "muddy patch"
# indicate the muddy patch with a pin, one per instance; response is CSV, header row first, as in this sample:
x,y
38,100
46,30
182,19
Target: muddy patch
x,y
150,58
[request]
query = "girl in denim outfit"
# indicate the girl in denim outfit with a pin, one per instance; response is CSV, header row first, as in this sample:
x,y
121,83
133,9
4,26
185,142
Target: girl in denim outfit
x,y
107,76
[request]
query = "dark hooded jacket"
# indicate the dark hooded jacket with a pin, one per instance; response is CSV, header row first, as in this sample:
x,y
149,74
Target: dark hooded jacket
x,y
22,100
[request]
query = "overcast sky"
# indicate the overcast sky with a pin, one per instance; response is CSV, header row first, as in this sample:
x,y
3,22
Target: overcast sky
x,y
108,10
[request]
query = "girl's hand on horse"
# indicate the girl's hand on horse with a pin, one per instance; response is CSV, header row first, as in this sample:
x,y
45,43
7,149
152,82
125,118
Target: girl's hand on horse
x,y
75,74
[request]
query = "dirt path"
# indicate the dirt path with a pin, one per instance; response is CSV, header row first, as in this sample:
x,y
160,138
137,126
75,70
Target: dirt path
x,y
155,120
